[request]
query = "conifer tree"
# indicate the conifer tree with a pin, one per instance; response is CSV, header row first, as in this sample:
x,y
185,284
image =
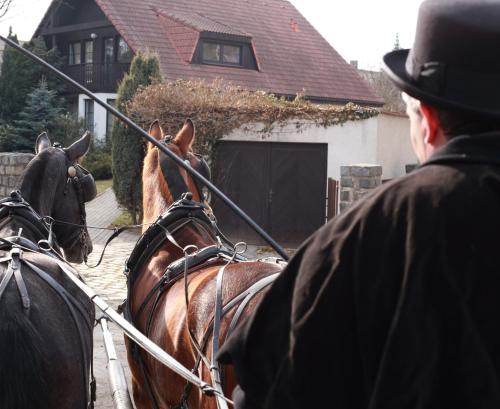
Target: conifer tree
x,y
127,146
41,112
19,76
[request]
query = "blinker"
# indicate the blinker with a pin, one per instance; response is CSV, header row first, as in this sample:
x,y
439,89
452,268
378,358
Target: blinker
x,y
87,183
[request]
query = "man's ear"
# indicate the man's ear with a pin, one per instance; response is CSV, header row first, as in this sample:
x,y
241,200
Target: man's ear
x,y
431,123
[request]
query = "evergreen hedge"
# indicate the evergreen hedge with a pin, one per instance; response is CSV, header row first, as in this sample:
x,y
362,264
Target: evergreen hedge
x,y
127,146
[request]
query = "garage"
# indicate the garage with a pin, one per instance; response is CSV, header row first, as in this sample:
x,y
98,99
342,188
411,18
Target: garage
x,y
282,186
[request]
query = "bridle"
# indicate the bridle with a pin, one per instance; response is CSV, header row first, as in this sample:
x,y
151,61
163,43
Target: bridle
x,y
84,185
173,177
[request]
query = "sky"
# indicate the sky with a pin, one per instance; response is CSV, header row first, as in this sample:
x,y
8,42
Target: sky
x,y
362,30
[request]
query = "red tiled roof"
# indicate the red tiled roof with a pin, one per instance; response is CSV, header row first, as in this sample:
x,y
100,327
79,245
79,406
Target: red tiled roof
x,y
202,23
292,56
182,37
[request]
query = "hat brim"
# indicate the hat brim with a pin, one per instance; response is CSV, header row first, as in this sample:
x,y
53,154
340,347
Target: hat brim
x,y
395,67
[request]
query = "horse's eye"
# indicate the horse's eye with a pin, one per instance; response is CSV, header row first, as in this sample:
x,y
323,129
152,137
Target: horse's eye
x,y
71,171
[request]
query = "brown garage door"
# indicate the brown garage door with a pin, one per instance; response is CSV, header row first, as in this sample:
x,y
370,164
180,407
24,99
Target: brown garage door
x,y
282,186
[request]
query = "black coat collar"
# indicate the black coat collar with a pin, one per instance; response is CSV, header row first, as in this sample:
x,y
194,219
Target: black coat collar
x,y
477,149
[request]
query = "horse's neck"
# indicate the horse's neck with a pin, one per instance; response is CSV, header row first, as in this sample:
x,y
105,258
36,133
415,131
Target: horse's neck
x,y
189,234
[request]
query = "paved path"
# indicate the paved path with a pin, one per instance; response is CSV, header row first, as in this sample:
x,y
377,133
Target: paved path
x,y
108,281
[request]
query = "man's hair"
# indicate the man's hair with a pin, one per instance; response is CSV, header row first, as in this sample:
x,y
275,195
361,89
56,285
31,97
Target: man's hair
x,y
455,122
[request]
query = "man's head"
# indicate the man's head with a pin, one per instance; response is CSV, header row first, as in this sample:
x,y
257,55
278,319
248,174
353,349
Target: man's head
x,y
432,127
453,70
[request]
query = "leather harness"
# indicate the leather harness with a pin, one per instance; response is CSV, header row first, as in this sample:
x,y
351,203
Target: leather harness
x,y
17,208
181,213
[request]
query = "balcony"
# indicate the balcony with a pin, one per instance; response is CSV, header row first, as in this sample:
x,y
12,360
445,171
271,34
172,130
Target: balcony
x,y
98,77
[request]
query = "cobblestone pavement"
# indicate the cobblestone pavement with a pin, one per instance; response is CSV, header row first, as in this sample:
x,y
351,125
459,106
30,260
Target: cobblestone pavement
x,y
108,281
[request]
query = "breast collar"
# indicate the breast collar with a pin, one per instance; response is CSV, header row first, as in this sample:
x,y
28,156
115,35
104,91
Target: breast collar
x,y
172,175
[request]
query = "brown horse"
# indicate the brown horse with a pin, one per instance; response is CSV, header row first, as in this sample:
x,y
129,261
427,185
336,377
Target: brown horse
x,y
160,311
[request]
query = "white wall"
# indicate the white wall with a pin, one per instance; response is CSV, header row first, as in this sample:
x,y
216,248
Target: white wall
x,y
382,140
349,143
99,114
394,149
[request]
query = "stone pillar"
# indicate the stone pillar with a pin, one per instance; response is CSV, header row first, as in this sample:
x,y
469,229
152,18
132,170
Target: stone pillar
x,y
11,167
410,167
356,181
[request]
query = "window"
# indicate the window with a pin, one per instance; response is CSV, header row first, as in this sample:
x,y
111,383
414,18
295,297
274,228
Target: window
x,y
110,119
211,52
89,52
109,50
231,54
75,53
89,114
224,54
124,53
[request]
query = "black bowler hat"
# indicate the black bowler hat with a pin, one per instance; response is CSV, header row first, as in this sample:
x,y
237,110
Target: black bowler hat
x,y
455,60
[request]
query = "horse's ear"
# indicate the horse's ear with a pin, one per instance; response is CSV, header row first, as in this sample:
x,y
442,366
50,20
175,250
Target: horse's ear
x,y
79,148
156,132
185,138
42,142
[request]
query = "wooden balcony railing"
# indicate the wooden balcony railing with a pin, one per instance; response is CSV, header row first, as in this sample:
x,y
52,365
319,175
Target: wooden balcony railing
x,y
98,77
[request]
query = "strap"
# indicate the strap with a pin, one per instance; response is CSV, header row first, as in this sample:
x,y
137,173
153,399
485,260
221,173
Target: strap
x,y
14,269
71,303
253,289
21,286
113,236
250,293
6,278
192,337
172,175
149,387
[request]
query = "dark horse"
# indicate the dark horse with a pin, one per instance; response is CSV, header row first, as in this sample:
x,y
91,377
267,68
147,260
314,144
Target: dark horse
x,y
45,321
179,314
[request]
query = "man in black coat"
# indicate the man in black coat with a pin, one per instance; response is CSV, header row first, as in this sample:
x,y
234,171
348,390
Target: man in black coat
x,y
396,303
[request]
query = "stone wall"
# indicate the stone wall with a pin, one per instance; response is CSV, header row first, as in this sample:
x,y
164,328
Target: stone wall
x,y
356,181
11,167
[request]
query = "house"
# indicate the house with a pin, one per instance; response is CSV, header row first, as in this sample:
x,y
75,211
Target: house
x,y
258,44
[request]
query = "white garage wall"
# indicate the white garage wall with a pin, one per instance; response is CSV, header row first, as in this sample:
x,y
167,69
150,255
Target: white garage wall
x,y
376,140
394,149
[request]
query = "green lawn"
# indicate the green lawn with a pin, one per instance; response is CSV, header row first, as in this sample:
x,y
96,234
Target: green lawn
x,y
123,220
102,185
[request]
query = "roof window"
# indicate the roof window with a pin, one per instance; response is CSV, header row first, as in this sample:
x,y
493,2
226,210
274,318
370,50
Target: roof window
x,y
222,54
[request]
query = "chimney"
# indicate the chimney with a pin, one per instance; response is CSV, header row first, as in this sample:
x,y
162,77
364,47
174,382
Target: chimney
x,y
354,63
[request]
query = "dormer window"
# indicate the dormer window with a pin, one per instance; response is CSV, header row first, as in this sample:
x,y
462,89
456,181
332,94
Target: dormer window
x,y
198,39
222,54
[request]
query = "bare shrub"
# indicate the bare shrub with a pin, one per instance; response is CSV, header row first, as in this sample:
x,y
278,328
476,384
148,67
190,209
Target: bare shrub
x,y
218,108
